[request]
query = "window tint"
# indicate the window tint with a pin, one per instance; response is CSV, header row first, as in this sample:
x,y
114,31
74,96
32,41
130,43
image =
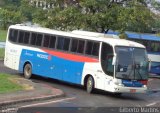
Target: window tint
x,y
33,38
52,42
92,48
21,36
39,39
60,43
66,44
46,40
63,43
106,59
74,45
77,45
13,35
81,46
89,47
26,37
95,50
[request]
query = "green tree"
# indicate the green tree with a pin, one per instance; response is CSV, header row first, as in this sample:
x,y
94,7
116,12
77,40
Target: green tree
x,y
155,6
92,15
97,15
140,18
9,13
27,10
9,17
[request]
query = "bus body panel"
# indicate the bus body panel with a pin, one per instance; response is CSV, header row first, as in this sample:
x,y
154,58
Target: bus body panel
x,y
92,69
12,55
47,65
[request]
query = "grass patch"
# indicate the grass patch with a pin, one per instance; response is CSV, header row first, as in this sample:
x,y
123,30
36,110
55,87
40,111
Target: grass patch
x,y
7,85
3,35
2,50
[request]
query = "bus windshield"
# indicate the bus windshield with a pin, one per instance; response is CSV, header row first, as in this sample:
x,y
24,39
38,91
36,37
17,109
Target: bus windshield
x,y
131,63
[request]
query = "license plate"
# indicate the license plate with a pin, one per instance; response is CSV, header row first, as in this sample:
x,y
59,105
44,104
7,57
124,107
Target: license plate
x,y
132,90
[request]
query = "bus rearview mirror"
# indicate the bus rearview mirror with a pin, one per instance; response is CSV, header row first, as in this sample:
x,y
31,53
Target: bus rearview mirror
x,y
114,60
149,64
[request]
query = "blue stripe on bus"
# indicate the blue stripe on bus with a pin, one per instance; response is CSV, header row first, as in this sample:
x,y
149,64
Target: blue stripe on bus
x,y
129,83
46,65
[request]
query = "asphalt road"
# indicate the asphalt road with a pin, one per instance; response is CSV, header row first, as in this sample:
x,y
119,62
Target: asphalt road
x,y
76,96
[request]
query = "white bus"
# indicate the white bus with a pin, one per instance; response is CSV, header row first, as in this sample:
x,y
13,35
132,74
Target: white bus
x,y
109,64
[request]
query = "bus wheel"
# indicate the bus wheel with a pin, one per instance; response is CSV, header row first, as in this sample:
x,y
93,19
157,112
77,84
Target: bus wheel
x,y
90,84
27,71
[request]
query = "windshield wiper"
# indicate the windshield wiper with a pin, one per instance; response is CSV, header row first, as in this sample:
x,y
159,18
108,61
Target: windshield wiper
x,y
132,69
137,67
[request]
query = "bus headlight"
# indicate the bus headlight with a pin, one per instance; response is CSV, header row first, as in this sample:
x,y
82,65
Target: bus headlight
x,y
144,86
118,82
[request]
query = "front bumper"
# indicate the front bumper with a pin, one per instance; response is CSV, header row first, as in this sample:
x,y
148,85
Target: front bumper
x,y
123,89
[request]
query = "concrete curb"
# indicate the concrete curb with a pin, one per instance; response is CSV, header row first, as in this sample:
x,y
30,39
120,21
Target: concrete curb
x,y
60,94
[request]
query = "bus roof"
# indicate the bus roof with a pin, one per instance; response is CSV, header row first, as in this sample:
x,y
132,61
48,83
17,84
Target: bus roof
x,y
110,39
94,34
142,36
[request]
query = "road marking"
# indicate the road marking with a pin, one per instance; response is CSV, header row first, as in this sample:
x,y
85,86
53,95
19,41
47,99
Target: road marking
x,y
43,103
151,104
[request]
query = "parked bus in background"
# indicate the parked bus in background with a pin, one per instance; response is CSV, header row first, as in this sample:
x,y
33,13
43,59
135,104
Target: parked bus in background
x,y
94,61
152,44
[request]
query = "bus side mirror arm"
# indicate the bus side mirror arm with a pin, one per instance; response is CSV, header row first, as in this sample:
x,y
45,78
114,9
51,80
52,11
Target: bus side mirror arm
x,y
114,60
149,64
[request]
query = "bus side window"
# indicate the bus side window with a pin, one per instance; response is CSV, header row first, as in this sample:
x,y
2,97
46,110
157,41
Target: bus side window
x,y
77,46
89,47
95,50
52,42
26,37
13,35
107,57
92,48
46,40
66,44
33,38
81,46
74,45
21,37
60,43
39,39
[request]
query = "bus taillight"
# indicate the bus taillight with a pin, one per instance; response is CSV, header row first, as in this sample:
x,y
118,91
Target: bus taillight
x,y
144,82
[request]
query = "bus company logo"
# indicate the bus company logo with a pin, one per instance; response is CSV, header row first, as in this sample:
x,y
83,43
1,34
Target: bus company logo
x,y
43,56
13,51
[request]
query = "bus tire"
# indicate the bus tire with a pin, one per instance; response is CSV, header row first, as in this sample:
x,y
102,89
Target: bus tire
x,y
27,71
117,94
90,84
